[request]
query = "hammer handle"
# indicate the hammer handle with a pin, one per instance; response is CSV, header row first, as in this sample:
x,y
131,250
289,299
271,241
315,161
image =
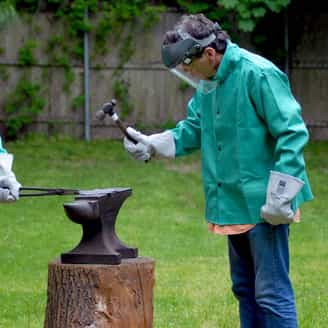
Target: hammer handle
x,y
122,127
109,109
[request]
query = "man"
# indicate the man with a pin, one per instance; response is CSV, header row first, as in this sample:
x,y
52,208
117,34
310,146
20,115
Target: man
x,y
9,187
249,128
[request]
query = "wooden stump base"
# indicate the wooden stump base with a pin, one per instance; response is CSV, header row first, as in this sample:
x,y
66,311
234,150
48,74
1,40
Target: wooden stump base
x,y
100,296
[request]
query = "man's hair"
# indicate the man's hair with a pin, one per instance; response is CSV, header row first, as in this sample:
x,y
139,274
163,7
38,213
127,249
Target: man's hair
x,y
199,27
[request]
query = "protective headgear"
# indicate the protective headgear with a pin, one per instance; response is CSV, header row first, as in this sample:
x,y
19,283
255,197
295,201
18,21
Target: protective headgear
x,y
204,86
183,51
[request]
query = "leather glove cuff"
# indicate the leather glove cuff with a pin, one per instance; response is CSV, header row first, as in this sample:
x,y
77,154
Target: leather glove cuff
x,y
163,144
281,190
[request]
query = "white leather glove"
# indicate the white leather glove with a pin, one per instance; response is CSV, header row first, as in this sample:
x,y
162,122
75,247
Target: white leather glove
x,y
9,186
161,144
282,189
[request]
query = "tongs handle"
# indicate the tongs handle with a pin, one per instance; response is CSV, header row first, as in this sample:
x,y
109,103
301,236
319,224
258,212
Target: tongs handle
x,y
37,191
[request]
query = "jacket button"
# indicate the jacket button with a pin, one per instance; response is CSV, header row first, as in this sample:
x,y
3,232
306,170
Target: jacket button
x,y
219,184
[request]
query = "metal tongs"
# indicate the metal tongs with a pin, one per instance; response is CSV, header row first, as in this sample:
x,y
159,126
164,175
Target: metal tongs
x,y
37,191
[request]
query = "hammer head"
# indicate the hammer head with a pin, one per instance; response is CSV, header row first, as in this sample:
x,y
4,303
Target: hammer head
x,y
107,108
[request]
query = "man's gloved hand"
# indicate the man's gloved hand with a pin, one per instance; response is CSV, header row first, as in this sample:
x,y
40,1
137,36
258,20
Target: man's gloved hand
x,y
282,189
9,186
161,144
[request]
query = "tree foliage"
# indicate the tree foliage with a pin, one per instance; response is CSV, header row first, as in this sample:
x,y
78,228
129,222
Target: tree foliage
x,y
247,13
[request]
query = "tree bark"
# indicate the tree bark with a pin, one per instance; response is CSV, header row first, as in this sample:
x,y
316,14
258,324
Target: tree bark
x,y
100,296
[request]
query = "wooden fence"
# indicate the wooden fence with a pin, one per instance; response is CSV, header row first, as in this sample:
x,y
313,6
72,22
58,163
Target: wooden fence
x,y
156,96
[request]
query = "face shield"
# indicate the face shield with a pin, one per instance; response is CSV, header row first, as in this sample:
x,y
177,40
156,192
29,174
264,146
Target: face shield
x,y
204,86
183,52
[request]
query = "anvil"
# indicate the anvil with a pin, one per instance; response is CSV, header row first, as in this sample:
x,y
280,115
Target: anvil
x,y
96,210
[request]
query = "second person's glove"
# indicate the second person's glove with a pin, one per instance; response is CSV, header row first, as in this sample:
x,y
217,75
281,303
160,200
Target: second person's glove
x,y
9,185
161,144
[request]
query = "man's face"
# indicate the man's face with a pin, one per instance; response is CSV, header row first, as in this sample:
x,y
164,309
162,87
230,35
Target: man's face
x,y
204,67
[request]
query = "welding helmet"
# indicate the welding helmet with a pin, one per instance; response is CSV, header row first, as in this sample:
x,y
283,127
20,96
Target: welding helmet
x,y
183,52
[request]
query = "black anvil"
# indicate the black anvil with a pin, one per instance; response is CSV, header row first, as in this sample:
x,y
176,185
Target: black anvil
x,y
96,210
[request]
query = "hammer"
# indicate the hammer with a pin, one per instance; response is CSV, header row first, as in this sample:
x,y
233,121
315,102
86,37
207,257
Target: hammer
x,y
108,109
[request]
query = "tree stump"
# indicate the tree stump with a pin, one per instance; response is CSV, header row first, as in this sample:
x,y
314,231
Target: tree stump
x,y
100,296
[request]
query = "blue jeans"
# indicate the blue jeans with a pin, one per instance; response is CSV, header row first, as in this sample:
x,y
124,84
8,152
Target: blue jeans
x,y
259,268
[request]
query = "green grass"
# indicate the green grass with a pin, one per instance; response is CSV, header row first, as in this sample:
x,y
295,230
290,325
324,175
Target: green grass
x,y
163,218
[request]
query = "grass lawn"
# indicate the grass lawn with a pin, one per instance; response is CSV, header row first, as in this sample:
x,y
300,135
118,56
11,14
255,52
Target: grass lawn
x,y
163,218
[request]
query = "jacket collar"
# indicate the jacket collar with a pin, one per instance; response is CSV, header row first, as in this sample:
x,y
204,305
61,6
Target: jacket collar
x,y
228,62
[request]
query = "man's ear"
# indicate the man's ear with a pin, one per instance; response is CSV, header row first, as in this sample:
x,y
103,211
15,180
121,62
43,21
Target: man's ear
x,y
212,56
210,52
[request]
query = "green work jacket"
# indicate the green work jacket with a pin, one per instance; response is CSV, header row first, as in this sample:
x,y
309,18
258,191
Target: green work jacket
x,y
247,125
